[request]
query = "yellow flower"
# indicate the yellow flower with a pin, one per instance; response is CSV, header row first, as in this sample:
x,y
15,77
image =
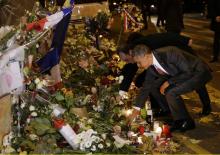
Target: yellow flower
x,y
121,64
64,90
110,77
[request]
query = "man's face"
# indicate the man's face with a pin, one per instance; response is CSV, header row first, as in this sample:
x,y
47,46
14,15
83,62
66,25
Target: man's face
x,y
143,61
126,57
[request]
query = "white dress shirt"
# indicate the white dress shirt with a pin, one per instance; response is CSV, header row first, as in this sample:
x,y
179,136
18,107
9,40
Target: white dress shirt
x,y
157,65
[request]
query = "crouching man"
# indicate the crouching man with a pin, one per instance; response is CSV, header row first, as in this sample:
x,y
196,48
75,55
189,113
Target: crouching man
x,y
181,73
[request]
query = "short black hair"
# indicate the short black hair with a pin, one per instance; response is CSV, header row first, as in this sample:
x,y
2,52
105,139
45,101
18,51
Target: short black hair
x,y
140,50
133,36
124,48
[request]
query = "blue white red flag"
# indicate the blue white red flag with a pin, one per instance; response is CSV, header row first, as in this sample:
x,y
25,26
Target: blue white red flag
x,y
49,21
52,58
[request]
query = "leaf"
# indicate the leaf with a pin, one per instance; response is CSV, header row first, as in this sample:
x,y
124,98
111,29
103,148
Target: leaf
x,y
121,64
206,120
143,113
59,96
110,77
195,141
41,126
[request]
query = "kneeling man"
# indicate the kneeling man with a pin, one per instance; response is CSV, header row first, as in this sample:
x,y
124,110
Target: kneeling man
x,y
180,73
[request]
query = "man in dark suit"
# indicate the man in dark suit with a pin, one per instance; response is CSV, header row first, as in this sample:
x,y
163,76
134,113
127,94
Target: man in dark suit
x,y
129,71
215,26
180,73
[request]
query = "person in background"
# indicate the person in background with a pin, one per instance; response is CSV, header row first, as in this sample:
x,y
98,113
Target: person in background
x,y
173,12
180,72
160,17
215,26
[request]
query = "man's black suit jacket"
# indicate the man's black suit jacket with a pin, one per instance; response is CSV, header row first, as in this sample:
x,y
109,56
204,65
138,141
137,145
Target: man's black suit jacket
x,y
181,66
153,41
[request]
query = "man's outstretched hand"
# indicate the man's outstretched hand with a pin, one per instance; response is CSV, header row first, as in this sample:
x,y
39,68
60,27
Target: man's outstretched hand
x,y
133,115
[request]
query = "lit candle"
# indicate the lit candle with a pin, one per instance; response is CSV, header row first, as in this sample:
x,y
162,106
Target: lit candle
x,y
128,112
156,125
158,131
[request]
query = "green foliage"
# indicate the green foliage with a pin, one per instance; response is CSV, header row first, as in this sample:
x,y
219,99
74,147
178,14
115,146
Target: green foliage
x,y
41,126
4,40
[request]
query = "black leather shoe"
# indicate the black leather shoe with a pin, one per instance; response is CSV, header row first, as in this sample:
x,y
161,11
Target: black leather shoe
x,y
183,125
187,125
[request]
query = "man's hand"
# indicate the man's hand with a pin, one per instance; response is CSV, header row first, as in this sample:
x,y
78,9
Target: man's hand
x,y
190,42
217,19
163,87
133,115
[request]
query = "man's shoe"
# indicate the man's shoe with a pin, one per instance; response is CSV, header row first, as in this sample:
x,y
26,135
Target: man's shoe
x,y
187,125
183,125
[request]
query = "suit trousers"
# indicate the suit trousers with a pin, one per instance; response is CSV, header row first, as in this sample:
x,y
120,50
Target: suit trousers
x,y
157,99
176,104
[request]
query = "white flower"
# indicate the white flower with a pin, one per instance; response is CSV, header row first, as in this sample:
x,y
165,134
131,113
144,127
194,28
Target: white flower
x,y
37,80
37,45
34,114
90,132
121,103
120,142
82,146
88,144
39,85
97,108
31,108
130,133
97,139
78,139
100,146
93,148
23,105
44,82
108,144
28,120
90,121
33,137
104,136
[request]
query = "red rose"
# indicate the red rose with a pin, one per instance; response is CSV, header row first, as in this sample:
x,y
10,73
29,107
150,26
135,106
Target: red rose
x,y
141,130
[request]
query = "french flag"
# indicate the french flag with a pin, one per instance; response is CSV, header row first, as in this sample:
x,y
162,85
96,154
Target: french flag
x,y
49,21
52,57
